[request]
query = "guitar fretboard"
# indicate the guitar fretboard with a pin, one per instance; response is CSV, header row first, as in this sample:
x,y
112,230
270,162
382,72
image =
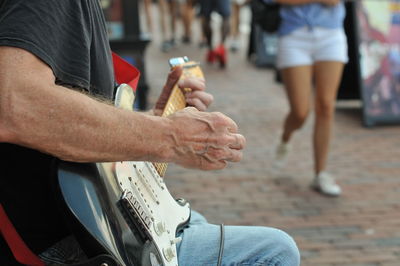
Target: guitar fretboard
x,y
177,102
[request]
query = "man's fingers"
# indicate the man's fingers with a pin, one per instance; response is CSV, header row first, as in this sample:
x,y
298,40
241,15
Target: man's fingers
x,y
210,163
231,151
223,154
234,156
238,143
214,165
192,98
210,140
237,156
230,124
194,83
197,103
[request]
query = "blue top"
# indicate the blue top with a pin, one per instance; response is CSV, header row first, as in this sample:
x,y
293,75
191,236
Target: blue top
x,y
310,15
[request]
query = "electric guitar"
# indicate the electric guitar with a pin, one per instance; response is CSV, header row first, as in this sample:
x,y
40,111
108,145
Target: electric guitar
x,y
124,209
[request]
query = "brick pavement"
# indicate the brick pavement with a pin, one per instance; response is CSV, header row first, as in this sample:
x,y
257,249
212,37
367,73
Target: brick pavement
x,y
359,228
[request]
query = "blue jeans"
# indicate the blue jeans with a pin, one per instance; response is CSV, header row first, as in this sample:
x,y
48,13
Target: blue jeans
x,y
244,245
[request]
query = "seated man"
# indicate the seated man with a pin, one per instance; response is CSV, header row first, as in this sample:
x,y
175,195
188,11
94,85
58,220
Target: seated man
x,y
55,65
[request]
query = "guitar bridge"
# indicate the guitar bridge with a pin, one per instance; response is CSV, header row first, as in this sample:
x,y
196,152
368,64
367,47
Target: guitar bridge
x,y
136,217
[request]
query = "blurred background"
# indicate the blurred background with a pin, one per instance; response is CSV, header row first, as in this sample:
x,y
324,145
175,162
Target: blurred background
x,y
361,227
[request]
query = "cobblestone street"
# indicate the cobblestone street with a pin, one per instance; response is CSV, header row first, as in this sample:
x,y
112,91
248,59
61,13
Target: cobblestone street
x,y
359,228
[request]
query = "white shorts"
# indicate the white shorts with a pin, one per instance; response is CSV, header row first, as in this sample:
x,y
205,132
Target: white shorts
x,y
305,47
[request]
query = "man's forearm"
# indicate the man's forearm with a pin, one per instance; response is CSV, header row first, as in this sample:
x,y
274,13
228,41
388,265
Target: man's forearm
x,y
36,113
73,126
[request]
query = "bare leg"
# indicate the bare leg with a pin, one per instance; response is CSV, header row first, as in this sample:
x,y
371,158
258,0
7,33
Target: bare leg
x,y
235,20
298,84
207,31
327,79
149,18
162,5
225,28
172,8
167,21
187,18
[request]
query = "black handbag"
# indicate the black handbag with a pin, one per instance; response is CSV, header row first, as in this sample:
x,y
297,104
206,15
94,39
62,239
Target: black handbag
x,y
267,16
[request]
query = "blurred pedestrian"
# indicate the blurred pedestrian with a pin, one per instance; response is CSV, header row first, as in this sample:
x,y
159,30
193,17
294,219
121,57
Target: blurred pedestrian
x,y
149,17
235,23
223,8
47,116
187,13
312,50
168,18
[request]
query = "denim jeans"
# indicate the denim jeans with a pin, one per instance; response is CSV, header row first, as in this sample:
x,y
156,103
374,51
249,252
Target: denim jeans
x,y
244,245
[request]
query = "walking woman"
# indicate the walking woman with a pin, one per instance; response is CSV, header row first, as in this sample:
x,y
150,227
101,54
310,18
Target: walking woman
x,y
311,55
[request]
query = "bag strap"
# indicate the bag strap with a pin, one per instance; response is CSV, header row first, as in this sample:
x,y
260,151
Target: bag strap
x,y
124,73
17,246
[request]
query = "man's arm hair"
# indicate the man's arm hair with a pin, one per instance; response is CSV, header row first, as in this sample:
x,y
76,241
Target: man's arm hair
x,y
38,114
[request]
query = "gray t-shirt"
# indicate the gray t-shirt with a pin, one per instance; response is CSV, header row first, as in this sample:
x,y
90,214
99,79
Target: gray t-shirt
x,y
70,36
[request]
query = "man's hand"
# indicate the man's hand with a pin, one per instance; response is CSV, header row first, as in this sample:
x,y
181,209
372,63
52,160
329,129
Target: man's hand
x,y
197,97
204,140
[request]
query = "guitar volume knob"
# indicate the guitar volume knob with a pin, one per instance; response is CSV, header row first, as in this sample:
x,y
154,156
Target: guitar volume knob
x,y
169,253
159,228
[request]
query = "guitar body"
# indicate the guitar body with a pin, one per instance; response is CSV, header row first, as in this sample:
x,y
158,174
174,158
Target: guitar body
x,y
103,222
124,209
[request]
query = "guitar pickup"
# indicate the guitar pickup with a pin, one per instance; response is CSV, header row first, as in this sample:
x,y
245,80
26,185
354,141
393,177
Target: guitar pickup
x,y
136,217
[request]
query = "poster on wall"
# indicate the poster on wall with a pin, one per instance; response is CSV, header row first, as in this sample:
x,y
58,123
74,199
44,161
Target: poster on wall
x,y
379,51
113,13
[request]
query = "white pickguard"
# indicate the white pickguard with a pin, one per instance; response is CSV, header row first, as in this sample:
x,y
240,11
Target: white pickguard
x,y
159,212
144,190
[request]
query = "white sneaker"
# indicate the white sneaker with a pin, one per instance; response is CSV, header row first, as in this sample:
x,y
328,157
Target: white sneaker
x,y
325,183
235,45
281,154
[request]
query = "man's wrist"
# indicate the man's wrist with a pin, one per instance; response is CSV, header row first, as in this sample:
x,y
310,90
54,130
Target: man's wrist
x,y
169,139
157,140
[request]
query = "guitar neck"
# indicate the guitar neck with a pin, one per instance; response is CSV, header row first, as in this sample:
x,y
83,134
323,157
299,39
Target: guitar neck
x,y
175,102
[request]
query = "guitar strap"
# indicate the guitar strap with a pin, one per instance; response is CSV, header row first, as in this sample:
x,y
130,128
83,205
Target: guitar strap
x,y
17,246
124,73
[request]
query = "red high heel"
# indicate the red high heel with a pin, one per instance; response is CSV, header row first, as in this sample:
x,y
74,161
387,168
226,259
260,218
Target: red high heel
x,y
221,55
211,56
